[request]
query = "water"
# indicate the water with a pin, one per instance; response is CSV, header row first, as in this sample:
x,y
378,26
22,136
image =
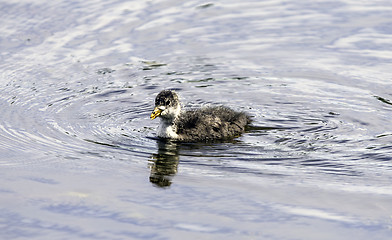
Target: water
x,y
80,159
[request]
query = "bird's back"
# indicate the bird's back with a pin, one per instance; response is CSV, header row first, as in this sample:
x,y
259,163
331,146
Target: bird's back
x,y
210,123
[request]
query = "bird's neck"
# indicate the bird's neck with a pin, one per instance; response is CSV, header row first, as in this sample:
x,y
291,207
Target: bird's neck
x,y
167,129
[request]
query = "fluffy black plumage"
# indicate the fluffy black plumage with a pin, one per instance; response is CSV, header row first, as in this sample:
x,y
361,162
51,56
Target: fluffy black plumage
x,y
201,125
210,123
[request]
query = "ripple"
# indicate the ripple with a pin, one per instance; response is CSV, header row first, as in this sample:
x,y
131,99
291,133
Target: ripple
x,y
71,123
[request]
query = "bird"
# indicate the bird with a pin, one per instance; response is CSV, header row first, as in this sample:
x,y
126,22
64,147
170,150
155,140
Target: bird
x,y
206,124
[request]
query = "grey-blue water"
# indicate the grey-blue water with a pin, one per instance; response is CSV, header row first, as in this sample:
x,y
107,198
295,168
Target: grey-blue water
x,y
79,157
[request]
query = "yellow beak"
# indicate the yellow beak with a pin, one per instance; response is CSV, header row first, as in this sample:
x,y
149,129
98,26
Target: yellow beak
x,y
155,113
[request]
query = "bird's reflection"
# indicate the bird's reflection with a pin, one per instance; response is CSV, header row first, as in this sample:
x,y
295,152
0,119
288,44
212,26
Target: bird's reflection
x,y
164,164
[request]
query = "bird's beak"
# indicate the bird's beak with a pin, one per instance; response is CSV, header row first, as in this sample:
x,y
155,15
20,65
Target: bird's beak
x,y
155,113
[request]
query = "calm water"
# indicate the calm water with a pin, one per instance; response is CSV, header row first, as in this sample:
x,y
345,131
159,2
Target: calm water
x,y
78,154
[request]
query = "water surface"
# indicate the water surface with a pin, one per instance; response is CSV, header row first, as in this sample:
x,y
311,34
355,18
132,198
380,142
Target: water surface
x,y
79,154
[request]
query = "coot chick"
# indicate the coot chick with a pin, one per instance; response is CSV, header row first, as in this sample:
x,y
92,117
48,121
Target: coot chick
x,y
201,125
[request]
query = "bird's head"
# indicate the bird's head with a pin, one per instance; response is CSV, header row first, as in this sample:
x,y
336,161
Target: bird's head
x,y
167,105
